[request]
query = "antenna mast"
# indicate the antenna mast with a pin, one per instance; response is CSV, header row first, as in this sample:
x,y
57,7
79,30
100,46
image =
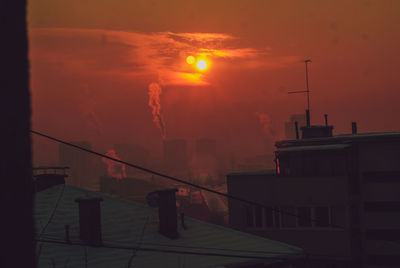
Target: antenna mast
x,y
308,89
305,91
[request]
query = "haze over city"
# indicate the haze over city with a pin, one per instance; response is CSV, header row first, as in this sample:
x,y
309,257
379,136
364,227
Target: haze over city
x,y
212,133
92,67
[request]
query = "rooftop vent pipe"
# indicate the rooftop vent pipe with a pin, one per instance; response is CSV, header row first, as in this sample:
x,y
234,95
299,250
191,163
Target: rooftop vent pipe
x,y
354,127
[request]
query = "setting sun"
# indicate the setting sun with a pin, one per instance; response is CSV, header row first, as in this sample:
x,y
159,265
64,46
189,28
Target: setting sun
x,y
202,64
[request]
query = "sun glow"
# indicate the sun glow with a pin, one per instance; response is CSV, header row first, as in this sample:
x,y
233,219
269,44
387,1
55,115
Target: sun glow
x,y
201,64
190,60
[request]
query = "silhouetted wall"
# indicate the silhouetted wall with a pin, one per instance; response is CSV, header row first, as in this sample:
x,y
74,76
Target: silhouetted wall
x,y
16,185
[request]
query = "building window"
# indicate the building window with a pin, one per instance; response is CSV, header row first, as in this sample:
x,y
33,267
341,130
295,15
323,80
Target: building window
x,y
277,217
278,168
262,217
339,165
297,164
381,177
309,164
249,216
292,217
288,217
322,216
269,217
304,217
258,216
382,206
354,216
338,215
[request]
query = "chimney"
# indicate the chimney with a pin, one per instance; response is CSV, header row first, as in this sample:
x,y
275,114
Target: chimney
x,y
354,127
166,202
90,220
296,126
46,177
308,118
326,119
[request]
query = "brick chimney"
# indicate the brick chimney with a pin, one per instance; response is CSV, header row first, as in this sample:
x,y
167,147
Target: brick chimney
x,y
90,220
166,202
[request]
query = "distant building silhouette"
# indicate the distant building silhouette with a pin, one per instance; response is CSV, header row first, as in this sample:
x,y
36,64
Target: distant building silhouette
x,y
337,197
175,154
85,169
134,154
206,147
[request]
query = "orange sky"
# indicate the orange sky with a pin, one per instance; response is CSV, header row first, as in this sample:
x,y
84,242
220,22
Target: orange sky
x,y
92,63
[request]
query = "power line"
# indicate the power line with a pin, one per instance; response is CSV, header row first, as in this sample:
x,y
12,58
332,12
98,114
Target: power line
x,y
177,180
139,244
52,238
54,211
71,243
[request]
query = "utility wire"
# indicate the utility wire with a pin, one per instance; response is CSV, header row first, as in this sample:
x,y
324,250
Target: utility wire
x,y
139,244
177,180
167,250
52,238
54,210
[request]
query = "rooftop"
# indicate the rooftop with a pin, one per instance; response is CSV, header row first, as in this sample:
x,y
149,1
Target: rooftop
x,y
315,147
129,224
257,172
342,138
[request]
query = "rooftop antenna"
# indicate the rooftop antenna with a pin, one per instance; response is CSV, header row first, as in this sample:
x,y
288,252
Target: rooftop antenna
x,y
305,91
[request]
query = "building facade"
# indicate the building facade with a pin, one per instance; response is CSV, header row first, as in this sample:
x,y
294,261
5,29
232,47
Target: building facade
x,y
337,197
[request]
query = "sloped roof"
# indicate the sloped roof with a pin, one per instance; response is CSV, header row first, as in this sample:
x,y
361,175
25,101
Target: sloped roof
x,y
129,224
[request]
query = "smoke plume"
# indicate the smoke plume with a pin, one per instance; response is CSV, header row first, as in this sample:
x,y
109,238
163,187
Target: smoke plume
x,y
265,120
114,169
155,104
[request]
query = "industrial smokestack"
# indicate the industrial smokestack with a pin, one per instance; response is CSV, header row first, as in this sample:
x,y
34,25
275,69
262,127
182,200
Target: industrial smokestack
x,y
354,127
326,119
90,220
308,118
296,126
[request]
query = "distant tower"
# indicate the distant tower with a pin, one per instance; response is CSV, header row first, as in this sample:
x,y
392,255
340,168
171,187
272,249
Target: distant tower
x,y
206,155
133,153
84,167
206,147
175,155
